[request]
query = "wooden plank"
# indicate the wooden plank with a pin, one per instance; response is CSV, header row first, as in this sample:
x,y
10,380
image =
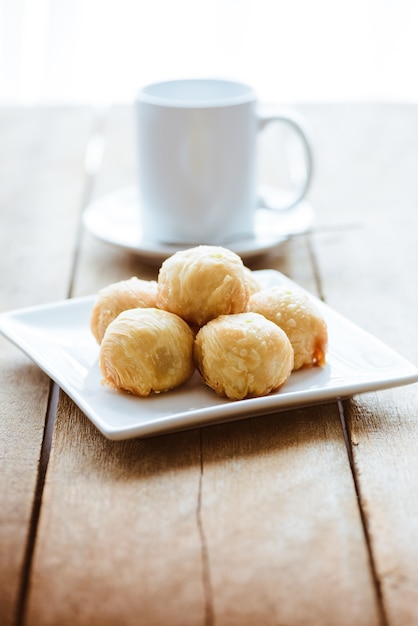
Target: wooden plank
x,y
251,522
41,156
373,281
283,536
119,525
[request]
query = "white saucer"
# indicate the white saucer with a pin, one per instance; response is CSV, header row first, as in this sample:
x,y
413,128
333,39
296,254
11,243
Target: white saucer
x,y
115,219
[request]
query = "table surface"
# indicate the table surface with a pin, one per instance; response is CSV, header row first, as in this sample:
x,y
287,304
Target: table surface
x,y
308,516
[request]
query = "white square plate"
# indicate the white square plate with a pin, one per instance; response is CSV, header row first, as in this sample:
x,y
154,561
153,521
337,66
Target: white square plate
x,y
58,338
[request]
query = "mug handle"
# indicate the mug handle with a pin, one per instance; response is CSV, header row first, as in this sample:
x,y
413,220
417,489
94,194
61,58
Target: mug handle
x,y
297,125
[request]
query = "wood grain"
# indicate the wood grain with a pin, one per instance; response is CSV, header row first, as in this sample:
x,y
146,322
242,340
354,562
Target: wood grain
x,y
281,522
119,541
371,277
255,522
41,160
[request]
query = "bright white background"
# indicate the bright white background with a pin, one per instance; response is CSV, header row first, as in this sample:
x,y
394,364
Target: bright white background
x,y
101,52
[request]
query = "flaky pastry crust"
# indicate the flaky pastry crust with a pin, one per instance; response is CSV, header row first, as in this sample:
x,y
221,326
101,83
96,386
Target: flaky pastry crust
x,y
252,282
296,314
145,351
202,283
243,355
118,297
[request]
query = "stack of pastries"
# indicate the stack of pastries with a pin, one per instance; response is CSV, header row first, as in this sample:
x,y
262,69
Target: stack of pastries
x,y
205,312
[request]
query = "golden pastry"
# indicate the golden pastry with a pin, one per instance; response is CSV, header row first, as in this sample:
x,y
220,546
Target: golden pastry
x,y
118,297
202,283
243,355
146,350
296,314
252,282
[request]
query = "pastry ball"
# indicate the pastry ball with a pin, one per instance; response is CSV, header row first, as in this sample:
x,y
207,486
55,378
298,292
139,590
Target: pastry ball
x,y
146,350
201,283
243,355
118,297
252,283
297,315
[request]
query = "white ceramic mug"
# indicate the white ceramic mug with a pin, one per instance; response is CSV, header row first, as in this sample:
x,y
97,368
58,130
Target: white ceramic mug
x,y
197,143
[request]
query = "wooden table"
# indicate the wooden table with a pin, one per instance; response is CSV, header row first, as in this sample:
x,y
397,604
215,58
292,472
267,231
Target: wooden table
x,y
304,517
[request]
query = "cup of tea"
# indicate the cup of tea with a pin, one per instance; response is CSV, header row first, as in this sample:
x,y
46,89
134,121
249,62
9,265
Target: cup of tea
x,y
197,158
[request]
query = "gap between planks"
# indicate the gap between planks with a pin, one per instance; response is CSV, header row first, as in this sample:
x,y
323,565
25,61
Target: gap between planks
x,y
37,501
206,577
92,162
350,456
363,516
